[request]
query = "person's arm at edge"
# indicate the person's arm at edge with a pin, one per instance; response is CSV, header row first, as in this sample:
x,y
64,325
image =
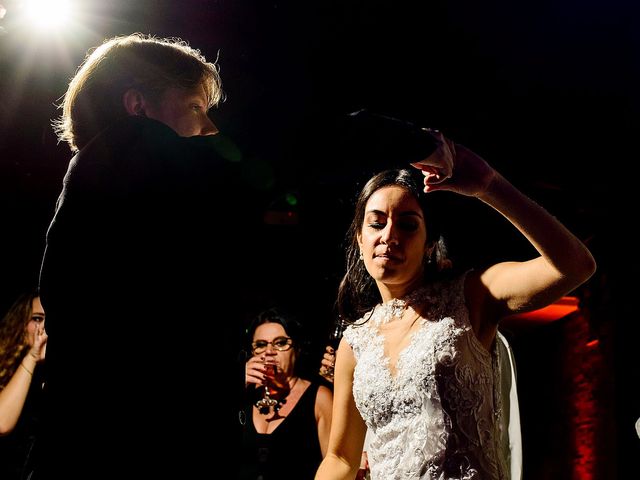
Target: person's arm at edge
x,y
14,394
347,427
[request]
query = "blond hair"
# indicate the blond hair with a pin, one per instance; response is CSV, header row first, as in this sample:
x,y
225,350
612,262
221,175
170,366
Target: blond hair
x,y
93,100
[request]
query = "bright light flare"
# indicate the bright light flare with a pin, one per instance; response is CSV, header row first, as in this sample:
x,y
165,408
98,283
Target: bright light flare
x,y
48,14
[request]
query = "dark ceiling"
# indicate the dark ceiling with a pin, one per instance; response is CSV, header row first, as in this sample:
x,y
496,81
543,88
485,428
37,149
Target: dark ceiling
x,y
545,90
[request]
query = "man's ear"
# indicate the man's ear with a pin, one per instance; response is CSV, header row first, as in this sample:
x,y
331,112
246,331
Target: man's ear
x,y
134,102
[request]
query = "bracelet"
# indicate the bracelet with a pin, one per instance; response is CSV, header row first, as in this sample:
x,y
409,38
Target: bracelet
x,y
28,371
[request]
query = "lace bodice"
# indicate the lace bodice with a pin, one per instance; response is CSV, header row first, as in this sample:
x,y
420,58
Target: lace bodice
x,y
438,416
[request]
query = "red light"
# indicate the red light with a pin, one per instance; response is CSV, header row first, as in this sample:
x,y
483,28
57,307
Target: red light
x,y
593,343
548,314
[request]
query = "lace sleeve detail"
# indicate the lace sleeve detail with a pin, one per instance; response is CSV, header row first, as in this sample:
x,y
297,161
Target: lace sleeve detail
x,y
350,335
355,335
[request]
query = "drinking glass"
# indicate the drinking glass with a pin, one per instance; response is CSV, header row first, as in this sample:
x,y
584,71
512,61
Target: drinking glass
x,y
336,333
276,388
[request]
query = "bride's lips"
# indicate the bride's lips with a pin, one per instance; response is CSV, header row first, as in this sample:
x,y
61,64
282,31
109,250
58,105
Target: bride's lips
x,y
387,257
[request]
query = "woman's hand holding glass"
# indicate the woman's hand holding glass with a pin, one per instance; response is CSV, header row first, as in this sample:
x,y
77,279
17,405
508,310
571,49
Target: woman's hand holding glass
x,y
263,370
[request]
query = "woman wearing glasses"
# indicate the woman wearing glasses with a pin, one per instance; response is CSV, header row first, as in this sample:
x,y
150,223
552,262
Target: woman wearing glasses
x,y
288,418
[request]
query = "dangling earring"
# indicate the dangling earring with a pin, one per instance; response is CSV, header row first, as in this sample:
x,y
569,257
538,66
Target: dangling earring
x,y
429,256
361,257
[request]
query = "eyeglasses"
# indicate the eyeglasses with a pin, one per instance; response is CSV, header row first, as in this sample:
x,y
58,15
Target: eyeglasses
x,y
282,344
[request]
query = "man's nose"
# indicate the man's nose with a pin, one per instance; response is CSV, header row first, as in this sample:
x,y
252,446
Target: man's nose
x,y
208,127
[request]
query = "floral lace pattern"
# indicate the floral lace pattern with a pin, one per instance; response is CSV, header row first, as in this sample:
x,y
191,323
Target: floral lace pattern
x,y
438,416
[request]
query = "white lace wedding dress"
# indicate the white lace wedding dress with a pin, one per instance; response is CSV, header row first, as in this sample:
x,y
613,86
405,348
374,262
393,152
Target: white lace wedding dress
x,y
439,416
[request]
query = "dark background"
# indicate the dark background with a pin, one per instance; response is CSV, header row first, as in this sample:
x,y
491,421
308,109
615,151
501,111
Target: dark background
x,y
545,90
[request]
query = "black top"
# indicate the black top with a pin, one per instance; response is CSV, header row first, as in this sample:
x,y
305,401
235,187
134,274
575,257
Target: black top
x,y
141,306
291,452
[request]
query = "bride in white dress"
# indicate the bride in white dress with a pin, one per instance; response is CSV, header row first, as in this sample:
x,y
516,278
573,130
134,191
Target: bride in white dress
x,y
419,366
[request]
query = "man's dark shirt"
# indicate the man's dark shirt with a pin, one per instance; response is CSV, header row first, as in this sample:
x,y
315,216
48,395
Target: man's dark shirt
x,y
142,307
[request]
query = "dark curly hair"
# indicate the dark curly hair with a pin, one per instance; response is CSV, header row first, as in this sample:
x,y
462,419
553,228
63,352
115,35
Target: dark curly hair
x,y
13,339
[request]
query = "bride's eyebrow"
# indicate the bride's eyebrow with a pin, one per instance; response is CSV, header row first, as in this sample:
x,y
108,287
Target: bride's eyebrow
x,y
410,213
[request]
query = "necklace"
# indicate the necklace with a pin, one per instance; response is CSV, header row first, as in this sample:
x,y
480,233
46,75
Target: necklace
x,y
394,309
397,307
267,402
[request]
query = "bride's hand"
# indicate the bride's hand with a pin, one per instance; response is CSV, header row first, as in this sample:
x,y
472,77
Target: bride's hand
x,y
455,168
437,167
